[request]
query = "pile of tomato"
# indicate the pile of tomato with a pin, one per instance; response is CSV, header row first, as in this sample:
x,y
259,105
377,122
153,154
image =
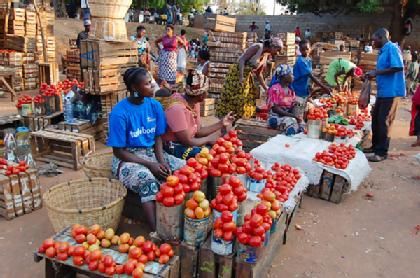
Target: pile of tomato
x,y
224,227
317,113
225,199
256,224
238,188
282,180
339,131
338,156
13,169
24,99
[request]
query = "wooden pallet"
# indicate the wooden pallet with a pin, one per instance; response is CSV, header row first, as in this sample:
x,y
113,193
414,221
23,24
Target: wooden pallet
x,y
94,53
331,188
61,147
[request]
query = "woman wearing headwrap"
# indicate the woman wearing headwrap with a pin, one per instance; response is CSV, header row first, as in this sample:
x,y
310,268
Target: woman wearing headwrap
x,y
136,125
185,135
239,91
281,101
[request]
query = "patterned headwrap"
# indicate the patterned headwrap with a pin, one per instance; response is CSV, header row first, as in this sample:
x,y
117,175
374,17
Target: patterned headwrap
x,y
283,70
276,42
197,84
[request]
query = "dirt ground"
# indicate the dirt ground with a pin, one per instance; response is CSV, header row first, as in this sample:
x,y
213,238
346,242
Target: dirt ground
x,y
357,238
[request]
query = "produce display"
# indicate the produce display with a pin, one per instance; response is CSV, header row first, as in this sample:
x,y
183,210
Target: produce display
x,y
198,207
317,113
224,227
339,131
140,251
256,225
13,168
338,156
23,99
282,181
225,199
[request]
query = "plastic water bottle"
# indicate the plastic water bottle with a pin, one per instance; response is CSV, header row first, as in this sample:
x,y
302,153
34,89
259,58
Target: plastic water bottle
x,y
68,107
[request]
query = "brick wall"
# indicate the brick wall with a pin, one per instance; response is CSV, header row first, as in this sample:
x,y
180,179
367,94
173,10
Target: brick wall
x,y
348,24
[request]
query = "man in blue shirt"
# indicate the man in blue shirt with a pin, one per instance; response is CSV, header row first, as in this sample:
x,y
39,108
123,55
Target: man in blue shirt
x,y
302,72
390,81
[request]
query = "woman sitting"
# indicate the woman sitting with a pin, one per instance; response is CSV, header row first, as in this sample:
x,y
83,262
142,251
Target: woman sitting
x,y
281,101
135,128
185,135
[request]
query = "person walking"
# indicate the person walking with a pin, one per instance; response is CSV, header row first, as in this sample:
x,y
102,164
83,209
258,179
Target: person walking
x,y
168,55
412,74
390,82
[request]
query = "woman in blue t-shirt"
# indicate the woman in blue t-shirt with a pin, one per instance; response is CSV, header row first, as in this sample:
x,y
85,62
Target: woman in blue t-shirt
x,y
135,128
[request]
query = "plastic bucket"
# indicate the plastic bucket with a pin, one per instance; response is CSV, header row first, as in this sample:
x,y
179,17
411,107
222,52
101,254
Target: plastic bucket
x,y
221,247
195,230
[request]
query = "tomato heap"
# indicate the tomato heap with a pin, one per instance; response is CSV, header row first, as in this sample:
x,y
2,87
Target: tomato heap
x,y
38,99
256,224
337,156
224,227
49,90
241,161
204,157
269,199
258,173
237,187
24,99
66,85
317,113
172,192
282,182
225,199
198,207
140,251
359,120
328,102
12,168
339,131
353,100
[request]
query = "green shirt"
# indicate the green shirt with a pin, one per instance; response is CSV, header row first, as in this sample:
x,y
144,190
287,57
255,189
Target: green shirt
x,y
340,66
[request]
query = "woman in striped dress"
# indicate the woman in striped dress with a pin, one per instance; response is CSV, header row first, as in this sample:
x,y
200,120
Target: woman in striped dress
x,y
168,55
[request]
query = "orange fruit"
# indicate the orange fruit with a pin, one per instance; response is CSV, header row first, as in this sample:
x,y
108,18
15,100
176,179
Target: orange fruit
x,y
199,213
191,204
189,213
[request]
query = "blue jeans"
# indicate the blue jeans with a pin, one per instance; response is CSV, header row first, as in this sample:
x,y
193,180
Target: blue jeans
x,y
181,151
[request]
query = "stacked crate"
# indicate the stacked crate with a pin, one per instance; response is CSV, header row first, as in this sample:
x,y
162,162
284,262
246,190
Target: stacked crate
x,y
325,58
288,53
14,60
103,65
3,24
367,62
225,49
30,76
30,24
73,62
46,28
16,21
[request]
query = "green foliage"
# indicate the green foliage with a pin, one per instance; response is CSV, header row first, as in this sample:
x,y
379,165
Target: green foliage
x,y
369,6
249,9
365,6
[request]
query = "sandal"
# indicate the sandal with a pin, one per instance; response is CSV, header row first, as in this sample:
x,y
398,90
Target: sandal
x,y
376,158
368,150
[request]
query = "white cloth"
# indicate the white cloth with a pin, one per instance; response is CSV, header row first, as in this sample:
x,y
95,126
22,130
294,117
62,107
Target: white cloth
x,y
299,151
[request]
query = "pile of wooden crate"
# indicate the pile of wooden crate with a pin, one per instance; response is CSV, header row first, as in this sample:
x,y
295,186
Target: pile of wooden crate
x,y
225,49
20,31
288,53
73,62
103,65
19,194
367,62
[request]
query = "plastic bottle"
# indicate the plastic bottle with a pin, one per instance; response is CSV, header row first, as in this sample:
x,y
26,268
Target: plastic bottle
x,y
68,107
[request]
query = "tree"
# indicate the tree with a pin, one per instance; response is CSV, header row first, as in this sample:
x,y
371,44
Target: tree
x,y
401,10
249,9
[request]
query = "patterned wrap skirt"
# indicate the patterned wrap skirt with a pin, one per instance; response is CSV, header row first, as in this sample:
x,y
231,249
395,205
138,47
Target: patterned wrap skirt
x,y
167,65
137,177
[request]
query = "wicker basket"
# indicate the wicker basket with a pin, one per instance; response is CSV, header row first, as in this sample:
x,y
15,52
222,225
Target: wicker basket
x,y
98,166
87,202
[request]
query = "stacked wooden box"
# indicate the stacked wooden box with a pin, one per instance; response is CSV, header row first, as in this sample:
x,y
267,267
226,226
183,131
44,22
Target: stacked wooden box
x,y
73,62
3,24
30,76
208,107
220,23
30,24
103,65
19,194
50,47
16,21
225,49
367,62
288,53
14,60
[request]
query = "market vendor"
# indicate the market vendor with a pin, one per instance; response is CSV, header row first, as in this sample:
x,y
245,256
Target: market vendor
x,y
302,72
339,71
281,101
185,135
84,35
136,125
239,91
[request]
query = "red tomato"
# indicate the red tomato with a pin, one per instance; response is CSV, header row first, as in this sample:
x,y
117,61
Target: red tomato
x,y
79,251
243,238
228,236
167,191
179,199
229,227
218,233
168,202
225,189
119,269
129,267
226,217
255,241
78,260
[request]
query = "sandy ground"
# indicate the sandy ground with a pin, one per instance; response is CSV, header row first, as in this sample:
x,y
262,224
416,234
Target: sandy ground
x,y
357,238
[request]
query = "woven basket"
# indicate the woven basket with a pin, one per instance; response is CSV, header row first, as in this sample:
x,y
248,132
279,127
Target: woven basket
x,y
98,166
87,202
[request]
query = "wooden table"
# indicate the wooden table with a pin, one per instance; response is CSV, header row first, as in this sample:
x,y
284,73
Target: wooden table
x,y
4,73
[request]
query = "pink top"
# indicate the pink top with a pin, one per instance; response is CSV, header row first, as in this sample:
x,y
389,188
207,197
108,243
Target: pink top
x,y
276,95
179,117
169,44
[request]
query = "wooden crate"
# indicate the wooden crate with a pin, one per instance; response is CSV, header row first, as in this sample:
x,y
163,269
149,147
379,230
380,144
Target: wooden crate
x,y
208,107
220,23
328,56
16,27
330,188
109,100
19,194
105,80
253,133
73,56
211,265
188,261
48,73
94,53
61,147
288,38
37,122
20,43
83,126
